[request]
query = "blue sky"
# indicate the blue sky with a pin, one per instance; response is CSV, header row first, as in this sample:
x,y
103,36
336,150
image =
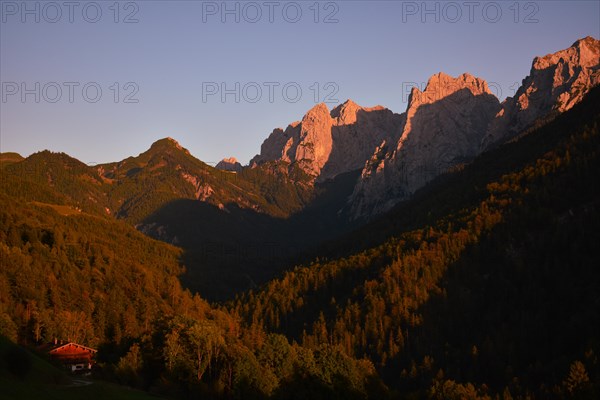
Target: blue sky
x,y
175,57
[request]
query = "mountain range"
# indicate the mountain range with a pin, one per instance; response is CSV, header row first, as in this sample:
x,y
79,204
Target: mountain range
x,y
449,123
320,177
447,252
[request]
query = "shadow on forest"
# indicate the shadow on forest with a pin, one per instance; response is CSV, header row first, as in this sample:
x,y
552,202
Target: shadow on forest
x,y
234,249
506,311
519,305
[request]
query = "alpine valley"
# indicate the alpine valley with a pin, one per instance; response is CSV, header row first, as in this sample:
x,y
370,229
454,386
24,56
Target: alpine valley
x,y
447,252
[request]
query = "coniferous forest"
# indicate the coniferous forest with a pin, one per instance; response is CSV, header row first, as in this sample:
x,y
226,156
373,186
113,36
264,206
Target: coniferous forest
x,y
484,285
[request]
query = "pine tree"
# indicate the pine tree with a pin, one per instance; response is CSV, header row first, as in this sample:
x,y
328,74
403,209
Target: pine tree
x,y
577,378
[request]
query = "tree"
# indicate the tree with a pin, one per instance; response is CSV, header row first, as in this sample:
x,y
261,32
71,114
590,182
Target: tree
x,y
130,365
207,341
577,379
277,354
172,349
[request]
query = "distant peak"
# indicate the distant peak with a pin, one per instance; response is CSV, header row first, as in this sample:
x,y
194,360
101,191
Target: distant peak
x,y
441,85
230,160
173,142
442,78
584,52
11,157
229,164
168,142
415,93
437,81
350,103
467,77
347,107
320,108
589,40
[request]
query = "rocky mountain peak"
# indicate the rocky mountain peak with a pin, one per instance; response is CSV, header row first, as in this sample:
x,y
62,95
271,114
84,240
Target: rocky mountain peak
x,y
345,109
451,93
327,143
442,85
442,127
229,164
584,53
447,123
555,83
319,111
347,112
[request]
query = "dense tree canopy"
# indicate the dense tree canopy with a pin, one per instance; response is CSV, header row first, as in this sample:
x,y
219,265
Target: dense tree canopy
x,y
498,290
99,282
483,286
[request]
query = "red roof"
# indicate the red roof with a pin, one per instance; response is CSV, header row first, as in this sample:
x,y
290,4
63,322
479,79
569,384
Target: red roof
x,y
72,352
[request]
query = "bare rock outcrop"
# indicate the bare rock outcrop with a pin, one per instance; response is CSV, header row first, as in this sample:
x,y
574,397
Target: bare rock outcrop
x,y
449,123
443,127
555,84
328,143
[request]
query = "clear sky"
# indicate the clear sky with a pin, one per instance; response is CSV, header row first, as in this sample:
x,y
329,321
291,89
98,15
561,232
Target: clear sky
x,y
175,58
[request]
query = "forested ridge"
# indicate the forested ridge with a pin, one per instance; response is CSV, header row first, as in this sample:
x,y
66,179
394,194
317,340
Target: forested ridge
x,y
135,188
495,295
99,282
170,195
485,285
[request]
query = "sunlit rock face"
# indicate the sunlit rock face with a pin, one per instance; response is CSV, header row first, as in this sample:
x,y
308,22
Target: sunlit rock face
x,y
443,127
328,143
452,122
556,83
449,123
